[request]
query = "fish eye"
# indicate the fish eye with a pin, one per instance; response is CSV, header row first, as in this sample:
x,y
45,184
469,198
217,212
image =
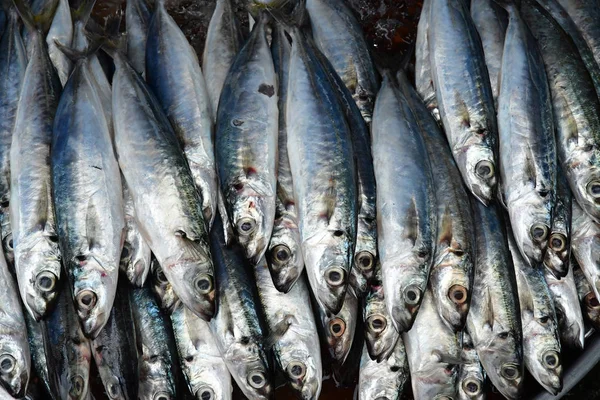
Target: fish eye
x,y
335,276
206,393
472,387
161,396
539,232
86,299
377,323
8,242
7,363
281,254
113,389
46,281
246,226
593,189
296,370
484,169
337,327
364,260
412,295
510,371
458,294
257,379
591,300
160,276
551,359
204,283
77,384
558,242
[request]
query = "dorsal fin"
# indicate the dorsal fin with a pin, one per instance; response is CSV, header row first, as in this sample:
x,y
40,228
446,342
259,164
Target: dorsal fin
x,y
412,222
487,309
445,234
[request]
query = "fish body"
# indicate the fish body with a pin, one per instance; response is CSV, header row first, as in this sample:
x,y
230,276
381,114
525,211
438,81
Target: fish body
x,y
137,19
39,362
423,74
136,255
586,14
471,378
558,253
585,241
385,378
61,31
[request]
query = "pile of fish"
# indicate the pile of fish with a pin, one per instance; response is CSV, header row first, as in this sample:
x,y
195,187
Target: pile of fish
x,y
280,209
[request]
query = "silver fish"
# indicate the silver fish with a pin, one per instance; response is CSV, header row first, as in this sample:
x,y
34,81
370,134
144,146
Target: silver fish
x,y
589,302
293,332
325,187
223,42
39,362
407,217
541,344
585,245
246,143
586,14
383,379
37,256
559,244
168,207
493,321
340,37
451,274
173,73
61,31
471,378
527,146
465,99
162,289
136,254
423,75
7,240
433,351
137,18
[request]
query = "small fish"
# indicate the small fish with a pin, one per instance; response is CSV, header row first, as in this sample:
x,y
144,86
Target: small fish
x,y
162,289
423,74
589,302
137,19
585,246
383,379
471,378
136,255
559,244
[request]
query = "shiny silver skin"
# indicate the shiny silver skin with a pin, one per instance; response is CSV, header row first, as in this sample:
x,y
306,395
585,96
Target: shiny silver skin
x,y
491,22
588,300
88,199
451,274
340,37
136,254
423,76
158,369
325,186
61,31
174,75
35,240
223,42
433,351
493,321
527,145
291,325
576,108
137,18
568,312
162,289
541,344
471,376
168,207
558,252
586,14
585,246
7,242
15,359
406,218
246,143
464,95
383,379
284,254
203,367
237,326
39,362
337,330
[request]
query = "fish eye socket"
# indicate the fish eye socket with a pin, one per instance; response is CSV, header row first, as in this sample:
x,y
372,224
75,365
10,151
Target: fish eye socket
x,y
551,359
161,396
510,372
160,276
539,232
281,254
246,226
458,294
558,242
77,384
206,393
8,242
591,300
112,389
377,323
337,327
364,261
472,387
296,370
335,276
7,363
257,379
46,281
484,169
593,189
204,284
412,295
86,299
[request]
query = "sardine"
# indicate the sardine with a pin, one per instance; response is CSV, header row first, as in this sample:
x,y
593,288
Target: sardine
x,y
585,245
174,75
464,94
471,378
559,245
162,289
493,321
406,218
203,367
589,302
423,74
586,14
383,379
137,19
136,254
61,31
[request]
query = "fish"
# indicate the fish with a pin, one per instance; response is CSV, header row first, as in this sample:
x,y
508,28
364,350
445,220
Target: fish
x,y
7,240
385,378
61,31
451,275
471,378
237,326
585,240
162,289
88,199
67,349
284,254
576,108
585,14
493,321
527,145
15,358
158,366
339,36
464,95
39,362
223,42
34,229
136,254
346,374
568,312
423,74
137,19
590,306
292,332
175,77
246,143
114,349
541,344
491,22
325,187
168,206
558,252
205,371
433,351
406,218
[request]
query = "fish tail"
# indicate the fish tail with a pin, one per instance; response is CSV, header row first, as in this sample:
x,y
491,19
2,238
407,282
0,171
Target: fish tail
x,y
37,22
81,14
509,5
109,38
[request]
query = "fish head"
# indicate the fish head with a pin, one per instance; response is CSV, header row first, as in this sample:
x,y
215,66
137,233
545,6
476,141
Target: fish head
x,y
452,286
285,258
478,166
404,287
558,254
253,218
116,388
305,375
531,229
14,366
135,259
7,239
162,289
435,381
502,360
591,306
472,385
156,380
380,334
250,368
340,328
587,190
547,369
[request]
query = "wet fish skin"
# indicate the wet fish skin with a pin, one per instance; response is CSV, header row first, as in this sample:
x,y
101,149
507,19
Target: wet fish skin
x,y
325,187
407,218
174,75
451,274
162,289
385,378
585,243
585,14
39,364
493,320
136,255
339,36
167,204
202,365
137,19
466,105
558,252
423,74
471,378
61,31
589,302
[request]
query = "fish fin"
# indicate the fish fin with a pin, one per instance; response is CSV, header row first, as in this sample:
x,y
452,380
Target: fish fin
x,y
500,195
488,309
75,55
82,13
462,110
445,236
92,216
530,169
112,41
37,22
290,13
277,331
412,222
448,359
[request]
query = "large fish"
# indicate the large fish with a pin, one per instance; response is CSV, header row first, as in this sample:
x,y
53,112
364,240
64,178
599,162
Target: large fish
x,y
589,302
137,18
558,252
35,239
136,255
174,75
168,207
585,246
423,76
325,187
493,321
407,217
383,379
586,14
464,95
471,378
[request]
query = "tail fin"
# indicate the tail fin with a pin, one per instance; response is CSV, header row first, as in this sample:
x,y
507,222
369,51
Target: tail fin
x,y
82,13
75,55
37,22
108,37
286,12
